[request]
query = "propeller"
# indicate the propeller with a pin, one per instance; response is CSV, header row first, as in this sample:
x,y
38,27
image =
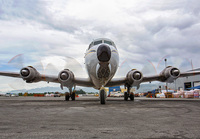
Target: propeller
x,y
184,64
123,69
147,69
73,65
175,72
18,62
50,65
153,68
25,72
53,65
64,76
137,76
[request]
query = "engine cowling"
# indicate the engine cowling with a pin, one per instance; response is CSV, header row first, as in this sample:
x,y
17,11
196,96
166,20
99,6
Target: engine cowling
x,y
134,78
169,74
30,74
66,78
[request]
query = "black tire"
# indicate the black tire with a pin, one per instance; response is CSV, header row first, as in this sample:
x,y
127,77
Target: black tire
x,y
132,96
125,96
102,97
67,97
73,96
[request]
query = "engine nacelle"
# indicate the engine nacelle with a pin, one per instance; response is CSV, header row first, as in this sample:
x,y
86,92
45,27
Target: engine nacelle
x,y
66,78
30,74
134,78
169,74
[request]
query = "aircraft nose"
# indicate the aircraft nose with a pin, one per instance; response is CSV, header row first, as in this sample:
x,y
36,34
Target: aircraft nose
x,y
103,53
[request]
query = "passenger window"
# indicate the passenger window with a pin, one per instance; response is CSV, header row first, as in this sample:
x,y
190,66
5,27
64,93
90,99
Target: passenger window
x,y
97,42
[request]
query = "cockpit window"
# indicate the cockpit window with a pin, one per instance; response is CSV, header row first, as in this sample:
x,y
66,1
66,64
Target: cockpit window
x,y
108,42
91,44
101,41
97,42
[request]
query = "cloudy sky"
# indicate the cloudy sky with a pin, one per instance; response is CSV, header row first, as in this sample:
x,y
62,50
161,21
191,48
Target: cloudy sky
x,y
39,32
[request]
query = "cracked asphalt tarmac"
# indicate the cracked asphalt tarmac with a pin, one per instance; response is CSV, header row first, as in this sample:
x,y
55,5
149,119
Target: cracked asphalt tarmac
x,y
49,117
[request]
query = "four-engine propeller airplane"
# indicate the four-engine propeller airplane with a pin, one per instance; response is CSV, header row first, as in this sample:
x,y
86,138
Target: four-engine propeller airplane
x,y
101,60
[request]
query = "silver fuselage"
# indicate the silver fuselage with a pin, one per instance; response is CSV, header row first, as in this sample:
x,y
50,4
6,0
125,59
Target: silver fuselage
x,y
93,64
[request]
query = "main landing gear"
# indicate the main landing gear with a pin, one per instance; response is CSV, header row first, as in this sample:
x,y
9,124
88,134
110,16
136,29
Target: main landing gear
x,y
102,95
67,96
128,94
71,95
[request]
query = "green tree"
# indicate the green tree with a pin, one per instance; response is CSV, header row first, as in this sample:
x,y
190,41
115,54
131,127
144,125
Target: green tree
x,y
80,91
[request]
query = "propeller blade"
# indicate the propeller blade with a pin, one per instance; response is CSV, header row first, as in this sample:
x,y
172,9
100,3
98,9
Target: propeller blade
x,y
17,61
73,65
124,68
149,68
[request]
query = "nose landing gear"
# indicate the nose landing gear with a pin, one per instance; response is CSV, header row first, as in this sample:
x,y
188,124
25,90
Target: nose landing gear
x,y
102,95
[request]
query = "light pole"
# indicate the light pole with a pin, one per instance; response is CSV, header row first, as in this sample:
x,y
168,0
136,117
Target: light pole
x,y
165,62
165,67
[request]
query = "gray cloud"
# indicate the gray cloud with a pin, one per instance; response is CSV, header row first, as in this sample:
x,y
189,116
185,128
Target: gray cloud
x,y
143,31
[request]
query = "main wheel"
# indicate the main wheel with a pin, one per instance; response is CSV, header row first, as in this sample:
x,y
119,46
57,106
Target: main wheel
x,y
102,96
73,96
67,96
125,96
132,96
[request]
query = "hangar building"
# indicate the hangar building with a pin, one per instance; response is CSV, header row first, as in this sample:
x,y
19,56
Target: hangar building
x,y
186,82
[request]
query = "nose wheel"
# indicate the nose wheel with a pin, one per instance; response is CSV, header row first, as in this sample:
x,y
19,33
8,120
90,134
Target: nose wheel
x,y
102,95
132,96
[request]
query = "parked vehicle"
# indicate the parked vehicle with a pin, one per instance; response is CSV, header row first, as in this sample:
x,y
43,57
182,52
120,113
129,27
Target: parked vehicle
x,y
116,94
8,95
14,95
57,94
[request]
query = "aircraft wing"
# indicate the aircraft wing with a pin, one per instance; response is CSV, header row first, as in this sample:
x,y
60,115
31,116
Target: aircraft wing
x,y
151,78
185,74
160,77
46,78
50,78
10,74
134,77
76,81
116,82
83,82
